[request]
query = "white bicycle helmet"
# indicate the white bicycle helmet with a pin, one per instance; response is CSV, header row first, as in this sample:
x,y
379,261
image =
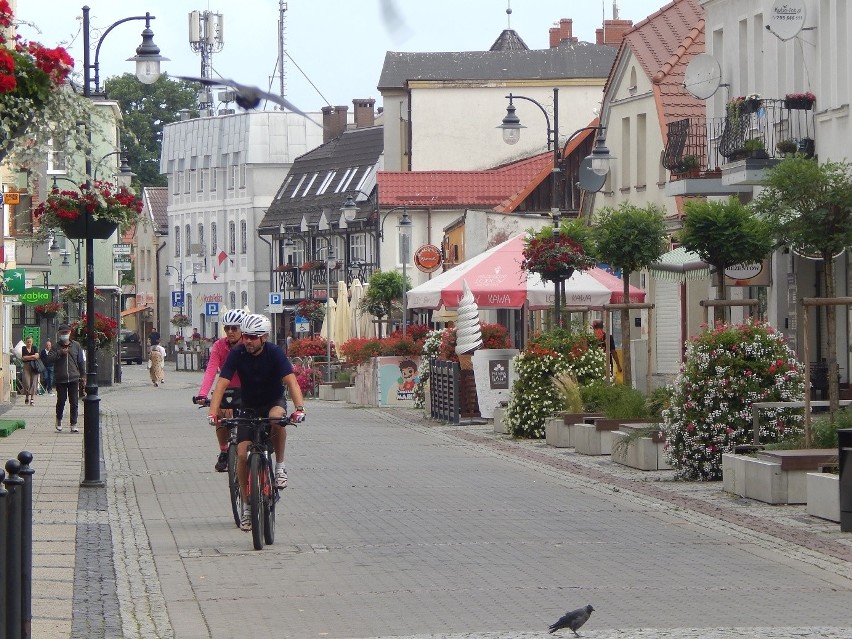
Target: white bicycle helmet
x,y
256,324
234,317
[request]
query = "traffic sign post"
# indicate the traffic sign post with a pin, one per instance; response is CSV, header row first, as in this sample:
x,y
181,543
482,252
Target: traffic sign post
x,y
177,299
276,303
303,325
211,309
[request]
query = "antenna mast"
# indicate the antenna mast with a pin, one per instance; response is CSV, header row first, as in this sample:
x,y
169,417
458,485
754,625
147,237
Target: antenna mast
x,y
206,36
282,40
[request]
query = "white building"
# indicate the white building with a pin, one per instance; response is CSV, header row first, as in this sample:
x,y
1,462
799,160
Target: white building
x,y
223,172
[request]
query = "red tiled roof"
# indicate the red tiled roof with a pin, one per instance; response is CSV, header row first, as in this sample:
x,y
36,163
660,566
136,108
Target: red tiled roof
x,y
499,189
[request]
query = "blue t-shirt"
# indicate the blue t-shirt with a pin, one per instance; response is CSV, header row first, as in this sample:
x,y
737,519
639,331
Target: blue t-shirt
x,y
260,375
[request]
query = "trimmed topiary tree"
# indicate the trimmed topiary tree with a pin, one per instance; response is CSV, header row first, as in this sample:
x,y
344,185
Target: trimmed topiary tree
x,y
726,370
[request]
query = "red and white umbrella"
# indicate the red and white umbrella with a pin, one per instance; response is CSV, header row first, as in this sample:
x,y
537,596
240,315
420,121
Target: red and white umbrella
x,y
496,280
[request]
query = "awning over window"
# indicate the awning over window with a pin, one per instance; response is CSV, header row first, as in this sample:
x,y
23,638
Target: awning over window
x,y
135,309
680,264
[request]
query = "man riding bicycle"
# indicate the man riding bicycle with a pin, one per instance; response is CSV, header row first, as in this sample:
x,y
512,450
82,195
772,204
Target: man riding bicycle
x,y
264,370
218,353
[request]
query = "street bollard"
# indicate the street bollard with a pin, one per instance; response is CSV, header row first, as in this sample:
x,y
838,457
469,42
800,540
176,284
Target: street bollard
x,y
4,517
844,445
14,484
26,473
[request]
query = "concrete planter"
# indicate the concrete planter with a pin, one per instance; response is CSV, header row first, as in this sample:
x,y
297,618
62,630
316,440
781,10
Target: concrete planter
x,y
557,432
642,453
334,392
823,494
500,426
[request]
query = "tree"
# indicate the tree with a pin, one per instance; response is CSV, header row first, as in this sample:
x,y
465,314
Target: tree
x,y
629,238
724,234
384,287
809,208
147,108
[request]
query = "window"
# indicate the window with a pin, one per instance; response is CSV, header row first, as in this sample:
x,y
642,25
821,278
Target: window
x,y
187,180
231,172
242,176
310,183
55,160
364,178
358,248
298,186
214,245
641,168
188,240
232,299
214,173
232,238
175,183
177,241
243,238
244,299
200,180
343,180
201,238
324,185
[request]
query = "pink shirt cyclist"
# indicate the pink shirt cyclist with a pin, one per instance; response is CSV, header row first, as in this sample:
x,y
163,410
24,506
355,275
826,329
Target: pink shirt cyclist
x,y
218,354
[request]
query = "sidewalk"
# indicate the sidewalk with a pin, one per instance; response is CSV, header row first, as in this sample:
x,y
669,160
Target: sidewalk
x,y
395,525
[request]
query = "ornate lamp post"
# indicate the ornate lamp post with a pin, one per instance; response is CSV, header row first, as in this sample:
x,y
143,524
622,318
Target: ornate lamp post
x,y
330,263
147,60
598,161
404,229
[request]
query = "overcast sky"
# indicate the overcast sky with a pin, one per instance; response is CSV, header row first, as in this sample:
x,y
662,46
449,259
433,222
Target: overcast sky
x,y
339,44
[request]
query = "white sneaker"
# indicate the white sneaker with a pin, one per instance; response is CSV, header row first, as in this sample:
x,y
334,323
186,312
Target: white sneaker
x,y
280,477
245,521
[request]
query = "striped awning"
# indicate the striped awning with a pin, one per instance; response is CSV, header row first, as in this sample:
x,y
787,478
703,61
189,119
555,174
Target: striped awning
x,y
680,264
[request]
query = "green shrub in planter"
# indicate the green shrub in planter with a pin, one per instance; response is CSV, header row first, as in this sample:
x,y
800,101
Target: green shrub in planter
x,y
823,433
615,401
727,369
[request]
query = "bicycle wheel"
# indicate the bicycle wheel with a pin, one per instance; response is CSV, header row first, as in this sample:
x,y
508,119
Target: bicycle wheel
x,y
270,496
234,484
257,470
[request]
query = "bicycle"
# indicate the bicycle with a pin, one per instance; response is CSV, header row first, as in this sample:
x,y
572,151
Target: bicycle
x,y
230,401
261,492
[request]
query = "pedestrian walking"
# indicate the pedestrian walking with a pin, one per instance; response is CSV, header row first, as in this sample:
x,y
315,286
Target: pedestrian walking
x,y
47,375
157,357
31,373
69,368
597,327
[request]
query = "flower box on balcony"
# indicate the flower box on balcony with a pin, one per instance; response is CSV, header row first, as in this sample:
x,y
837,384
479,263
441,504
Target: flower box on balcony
x,y
800,101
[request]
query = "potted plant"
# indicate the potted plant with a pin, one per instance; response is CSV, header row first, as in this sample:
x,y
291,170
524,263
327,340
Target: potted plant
x,y
802,101
688,165
553,258
180,320
76,294
752,103
106,330
787,147
755,148
32,89
96,210
50,309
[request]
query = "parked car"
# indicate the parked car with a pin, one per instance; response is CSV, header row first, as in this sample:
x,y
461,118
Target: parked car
x,y
132,348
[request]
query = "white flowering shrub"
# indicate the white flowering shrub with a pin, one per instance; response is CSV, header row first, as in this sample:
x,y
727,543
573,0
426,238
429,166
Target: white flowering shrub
x,y
726,369
431,345
534,396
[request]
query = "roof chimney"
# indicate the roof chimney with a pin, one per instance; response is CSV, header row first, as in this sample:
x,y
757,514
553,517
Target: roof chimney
x,y
333,122
365,115
613,32
562,33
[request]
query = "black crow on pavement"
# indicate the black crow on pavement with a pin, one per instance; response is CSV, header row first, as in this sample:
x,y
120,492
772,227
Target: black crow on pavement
x,y
573,620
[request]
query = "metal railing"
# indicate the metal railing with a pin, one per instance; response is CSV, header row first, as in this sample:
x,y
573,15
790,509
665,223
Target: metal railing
x,y
16,546
754,129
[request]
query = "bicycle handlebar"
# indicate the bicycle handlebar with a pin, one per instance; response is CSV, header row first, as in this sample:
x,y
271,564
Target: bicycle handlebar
x,y
254,422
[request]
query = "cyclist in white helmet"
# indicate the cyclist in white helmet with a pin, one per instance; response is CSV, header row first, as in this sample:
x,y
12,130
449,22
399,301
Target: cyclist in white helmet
x,y
218,352
264,370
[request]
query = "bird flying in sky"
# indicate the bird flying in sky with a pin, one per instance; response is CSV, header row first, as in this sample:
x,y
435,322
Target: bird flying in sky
x,y
572,620
248,97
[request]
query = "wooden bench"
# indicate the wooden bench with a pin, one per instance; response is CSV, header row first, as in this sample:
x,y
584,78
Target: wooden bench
x,y
774,476
811,459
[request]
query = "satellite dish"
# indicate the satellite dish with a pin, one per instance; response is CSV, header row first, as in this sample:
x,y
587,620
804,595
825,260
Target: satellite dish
x,y
786,18
703,76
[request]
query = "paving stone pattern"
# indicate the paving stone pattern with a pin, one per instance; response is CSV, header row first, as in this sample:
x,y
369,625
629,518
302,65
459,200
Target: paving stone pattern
x,y
396,526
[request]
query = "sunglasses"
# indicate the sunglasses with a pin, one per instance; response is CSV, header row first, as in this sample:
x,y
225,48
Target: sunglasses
x,y
232,328
251,338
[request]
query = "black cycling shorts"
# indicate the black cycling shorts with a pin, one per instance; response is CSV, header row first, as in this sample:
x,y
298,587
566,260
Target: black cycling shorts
x,y
245,433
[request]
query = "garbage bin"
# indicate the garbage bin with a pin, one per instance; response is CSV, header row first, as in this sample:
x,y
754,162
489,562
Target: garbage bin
x,y
844,443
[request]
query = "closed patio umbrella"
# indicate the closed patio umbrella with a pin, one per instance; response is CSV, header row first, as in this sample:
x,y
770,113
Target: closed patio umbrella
x,y
343,319
354,315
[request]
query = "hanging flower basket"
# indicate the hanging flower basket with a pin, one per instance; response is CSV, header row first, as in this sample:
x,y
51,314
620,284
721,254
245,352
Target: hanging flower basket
x,y
105,331
799,101
94,211
180,320
554,259
48,310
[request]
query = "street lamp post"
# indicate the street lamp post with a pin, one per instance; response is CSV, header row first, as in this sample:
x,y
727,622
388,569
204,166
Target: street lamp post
x,y
330,263
599,161
404,229
147,60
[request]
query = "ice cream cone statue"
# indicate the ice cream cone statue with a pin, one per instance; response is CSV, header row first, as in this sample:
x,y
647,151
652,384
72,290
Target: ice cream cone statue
x,y
468,333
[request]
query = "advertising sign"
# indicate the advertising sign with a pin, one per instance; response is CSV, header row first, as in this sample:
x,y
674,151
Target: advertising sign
x,y
428,258
34,296
754,274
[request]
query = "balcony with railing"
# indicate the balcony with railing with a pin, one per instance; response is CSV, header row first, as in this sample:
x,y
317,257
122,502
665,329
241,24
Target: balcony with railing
x,y
717,156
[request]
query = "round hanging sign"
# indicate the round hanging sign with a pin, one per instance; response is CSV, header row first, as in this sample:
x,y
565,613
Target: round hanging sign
x,y
428,258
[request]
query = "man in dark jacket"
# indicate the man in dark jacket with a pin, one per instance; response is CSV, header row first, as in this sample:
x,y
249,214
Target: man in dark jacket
x,y
69,366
